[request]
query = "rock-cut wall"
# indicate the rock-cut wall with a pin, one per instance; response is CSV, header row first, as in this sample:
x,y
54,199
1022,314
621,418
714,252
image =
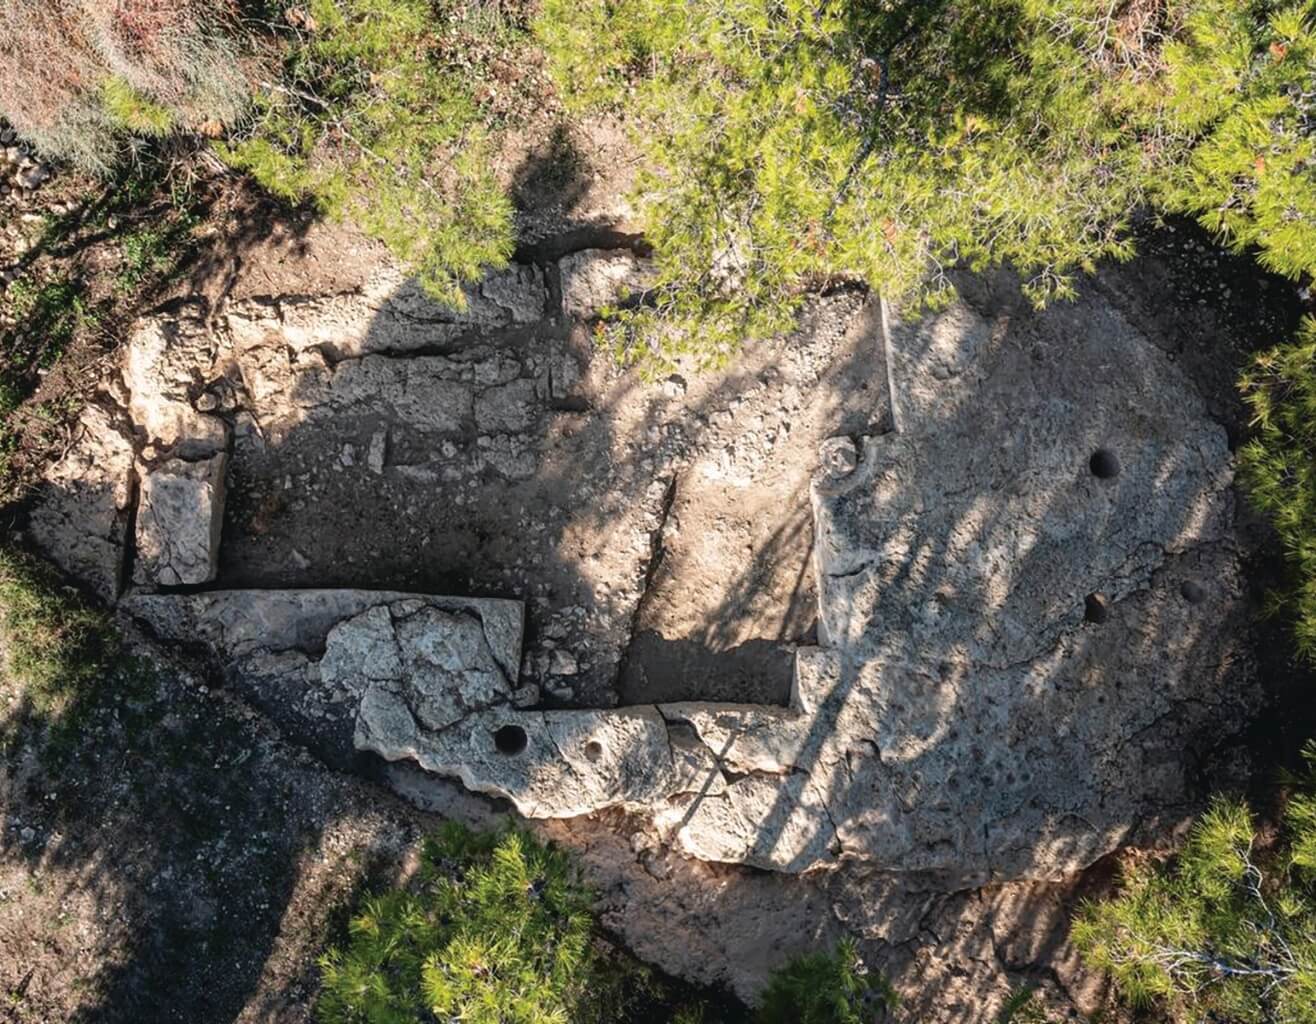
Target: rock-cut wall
x,y
1030,615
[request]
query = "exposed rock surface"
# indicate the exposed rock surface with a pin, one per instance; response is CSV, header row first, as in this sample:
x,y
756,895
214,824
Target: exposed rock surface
x,y
491,456
988,628
80,517
180,514
166,362
985,704
242,623
973,716
1003,729
595,278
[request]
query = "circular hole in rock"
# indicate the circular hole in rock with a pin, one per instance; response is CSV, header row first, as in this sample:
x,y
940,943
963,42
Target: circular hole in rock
x,y
1192,592
510,739
1105,464
593,750
1095,608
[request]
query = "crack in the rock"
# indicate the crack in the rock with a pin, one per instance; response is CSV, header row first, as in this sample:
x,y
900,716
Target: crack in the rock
x,y
127,564
656,553
577,240
851,573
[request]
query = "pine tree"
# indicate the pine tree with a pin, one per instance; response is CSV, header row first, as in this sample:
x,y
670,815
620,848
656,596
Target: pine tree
x,y
794,143
1228,933
1240,80
790,144
495,930
825,988
374,122
1278,465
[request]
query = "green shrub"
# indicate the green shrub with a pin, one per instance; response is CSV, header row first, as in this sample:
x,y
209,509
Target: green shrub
x,y
1240,79
128,109
791,144
495,929
55,644
376,120
1227,933
1278,464
1025,1007
825,988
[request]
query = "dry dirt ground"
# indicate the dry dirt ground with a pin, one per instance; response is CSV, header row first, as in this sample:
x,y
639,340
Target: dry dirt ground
x,y
186,850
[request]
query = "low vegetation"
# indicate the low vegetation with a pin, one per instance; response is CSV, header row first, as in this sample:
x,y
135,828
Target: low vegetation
x,y
84,272
494,929
385,113
112,74
54,642
1278,465
793,144
826,988
1225,933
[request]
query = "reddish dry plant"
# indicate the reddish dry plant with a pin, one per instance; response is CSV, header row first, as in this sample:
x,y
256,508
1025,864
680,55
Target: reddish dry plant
x,y
57,55
47,64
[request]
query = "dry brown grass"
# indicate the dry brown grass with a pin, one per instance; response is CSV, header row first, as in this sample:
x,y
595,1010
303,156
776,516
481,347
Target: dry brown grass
x,y
57,55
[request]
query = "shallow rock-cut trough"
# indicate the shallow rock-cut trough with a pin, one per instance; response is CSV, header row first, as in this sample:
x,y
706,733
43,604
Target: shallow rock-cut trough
x,y
1028,597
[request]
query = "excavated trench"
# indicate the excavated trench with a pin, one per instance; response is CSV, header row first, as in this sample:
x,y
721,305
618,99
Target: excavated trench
x,y
509,459
927,649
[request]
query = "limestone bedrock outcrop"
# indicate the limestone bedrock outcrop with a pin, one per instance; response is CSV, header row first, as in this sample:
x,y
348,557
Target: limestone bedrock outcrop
x,y
596,278
968,716
81,512
1029,598
166,361
180,515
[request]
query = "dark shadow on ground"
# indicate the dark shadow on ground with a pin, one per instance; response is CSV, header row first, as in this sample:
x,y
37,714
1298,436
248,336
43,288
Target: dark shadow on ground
x,y
172,829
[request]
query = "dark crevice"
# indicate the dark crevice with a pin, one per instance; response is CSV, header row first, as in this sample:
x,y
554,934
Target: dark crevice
x,y
656,552
577,240
128,563
521,336
850,573
571,404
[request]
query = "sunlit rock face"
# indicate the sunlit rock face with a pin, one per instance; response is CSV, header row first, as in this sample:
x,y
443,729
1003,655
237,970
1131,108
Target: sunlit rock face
x,y
1030,620
1033,597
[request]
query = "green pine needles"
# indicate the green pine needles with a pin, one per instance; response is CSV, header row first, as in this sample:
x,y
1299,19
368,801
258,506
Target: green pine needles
x,y
1228,933
496,930
1241,79
1278,465
375,120
825,988
792,144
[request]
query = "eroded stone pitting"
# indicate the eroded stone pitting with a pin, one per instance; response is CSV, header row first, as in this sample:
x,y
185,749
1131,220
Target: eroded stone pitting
x,y
967,715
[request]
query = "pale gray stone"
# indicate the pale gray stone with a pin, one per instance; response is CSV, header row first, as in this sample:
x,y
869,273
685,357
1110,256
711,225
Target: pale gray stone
x,y
595,278
361,650
165,361
79,515
506,408
237,623
180,515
